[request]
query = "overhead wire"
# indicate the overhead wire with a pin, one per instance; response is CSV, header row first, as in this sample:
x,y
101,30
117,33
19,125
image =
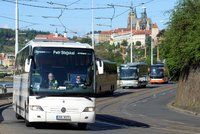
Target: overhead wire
x,y
65,7
49,7
19,20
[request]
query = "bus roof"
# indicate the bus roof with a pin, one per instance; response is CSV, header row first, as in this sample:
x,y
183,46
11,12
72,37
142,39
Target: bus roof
x,y
134,64
49,43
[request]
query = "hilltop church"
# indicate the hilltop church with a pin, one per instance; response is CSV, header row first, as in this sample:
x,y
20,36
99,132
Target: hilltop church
x,y
142,27
142,23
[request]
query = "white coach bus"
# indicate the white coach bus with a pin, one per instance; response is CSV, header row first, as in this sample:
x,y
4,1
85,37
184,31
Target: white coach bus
x,y
55,82
133,74
106,78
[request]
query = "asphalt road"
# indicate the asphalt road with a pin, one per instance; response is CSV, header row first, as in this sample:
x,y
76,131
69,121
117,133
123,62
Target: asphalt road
x,y
129,111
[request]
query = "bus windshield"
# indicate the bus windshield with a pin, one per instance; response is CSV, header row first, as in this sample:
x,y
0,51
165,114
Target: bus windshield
x,y
62,71
128,73
157,72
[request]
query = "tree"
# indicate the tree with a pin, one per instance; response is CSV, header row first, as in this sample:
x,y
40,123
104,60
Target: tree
x,y
181,49
124,43
7,38
181,45
138,43
86,40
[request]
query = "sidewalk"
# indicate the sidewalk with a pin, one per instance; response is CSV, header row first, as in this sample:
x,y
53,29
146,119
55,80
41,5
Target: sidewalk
x,y
181,110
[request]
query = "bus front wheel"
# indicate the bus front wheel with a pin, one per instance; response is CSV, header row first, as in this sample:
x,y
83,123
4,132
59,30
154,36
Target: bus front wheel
x,y
82,126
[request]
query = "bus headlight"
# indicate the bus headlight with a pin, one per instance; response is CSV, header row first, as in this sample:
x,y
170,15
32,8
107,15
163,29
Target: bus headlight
x,y
89,109
36,108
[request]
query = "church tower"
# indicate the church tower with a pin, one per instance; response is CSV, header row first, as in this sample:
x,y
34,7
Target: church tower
x,y
132,15
144,19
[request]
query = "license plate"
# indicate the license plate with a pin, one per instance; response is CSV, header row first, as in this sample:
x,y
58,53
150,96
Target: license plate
x,y
63,117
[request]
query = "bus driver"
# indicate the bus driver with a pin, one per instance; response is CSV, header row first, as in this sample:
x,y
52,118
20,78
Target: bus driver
x,y
53,84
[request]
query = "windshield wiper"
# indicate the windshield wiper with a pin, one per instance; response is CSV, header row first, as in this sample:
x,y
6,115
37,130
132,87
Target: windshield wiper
x,y
40,97
88,98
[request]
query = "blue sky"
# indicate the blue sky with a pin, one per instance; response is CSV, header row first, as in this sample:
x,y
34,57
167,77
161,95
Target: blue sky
x,y
80,20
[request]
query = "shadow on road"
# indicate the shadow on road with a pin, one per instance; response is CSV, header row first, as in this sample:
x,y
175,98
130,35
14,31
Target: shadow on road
x,y
97,126
116,94
120,121
103,122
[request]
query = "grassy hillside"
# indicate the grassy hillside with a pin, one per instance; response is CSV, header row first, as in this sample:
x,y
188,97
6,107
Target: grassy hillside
x,y
7,38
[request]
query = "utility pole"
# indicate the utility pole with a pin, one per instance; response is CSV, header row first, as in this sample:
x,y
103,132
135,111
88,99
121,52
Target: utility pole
x,y
93,23
158,53
131,34
145,51
152,43
16,27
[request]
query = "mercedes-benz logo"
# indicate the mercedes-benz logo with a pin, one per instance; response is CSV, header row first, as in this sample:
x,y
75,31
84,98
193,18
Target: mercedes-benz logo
x,y
63,110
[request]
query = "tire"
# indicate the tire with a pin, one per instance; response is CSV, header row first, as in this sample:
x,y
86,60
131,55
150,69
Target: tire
x,y
27,123
111,92
18,116
144,86
82,126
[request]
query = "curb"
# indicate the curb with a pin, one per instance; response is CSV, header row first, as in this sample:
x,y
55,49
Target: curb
x,y
187,112
9,101
5,104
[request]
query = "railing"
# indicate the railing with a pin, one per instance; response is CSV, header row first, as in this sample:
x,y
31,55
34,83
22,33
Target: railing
x,y
6,90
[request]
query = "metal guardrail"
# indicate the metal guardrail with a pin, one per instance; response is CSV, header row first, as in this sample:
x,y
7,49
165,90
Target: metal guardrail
x,y
5,88
6,95
5,91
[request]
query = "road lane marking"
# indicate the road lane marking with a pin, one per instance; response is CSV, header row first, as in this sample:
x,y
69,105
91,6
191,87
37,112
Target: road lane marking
x,y
144,100
163,93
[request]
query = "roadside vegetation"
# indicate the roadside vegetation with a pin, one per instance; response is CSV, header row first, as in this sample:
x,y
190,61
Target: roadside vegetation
x,y
181,50
7,38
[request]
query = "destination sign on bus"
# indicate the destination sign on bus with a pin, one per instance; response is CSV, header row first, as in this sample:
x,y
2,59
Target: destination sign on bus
x,y
61,52
128,68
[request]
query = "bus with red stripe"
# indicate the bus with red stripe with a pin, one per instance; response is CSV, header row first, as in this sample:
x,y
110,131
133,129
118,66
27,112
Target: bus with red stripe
x,y
158,74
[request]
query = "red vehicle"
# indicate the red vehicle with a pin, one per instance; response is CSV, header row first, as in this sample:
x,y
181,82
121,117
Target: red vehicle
x,y
158,74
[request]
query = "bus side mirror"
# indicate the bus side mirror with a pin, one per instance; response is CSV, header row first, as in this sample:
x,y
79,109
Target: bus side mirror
x,y
27,65
100,66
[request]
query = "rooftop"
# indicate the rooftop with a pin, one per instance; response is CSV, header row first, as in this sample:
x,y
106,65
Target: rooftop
x,y
52,37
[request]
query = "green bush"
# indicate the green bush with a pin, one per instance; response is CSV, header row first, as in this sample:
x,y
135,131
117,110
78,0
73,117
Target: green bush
x,y
2,75
181,44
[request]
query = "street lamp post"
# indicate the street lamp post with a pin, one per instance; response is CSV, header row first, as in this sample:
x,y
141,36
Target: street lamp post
x,y
152,42
16,27
131,36
93,23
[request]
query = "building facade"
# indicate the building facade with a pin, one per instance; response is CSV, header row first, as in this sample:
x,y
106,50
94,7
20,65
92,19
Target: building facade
x,y
141,29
